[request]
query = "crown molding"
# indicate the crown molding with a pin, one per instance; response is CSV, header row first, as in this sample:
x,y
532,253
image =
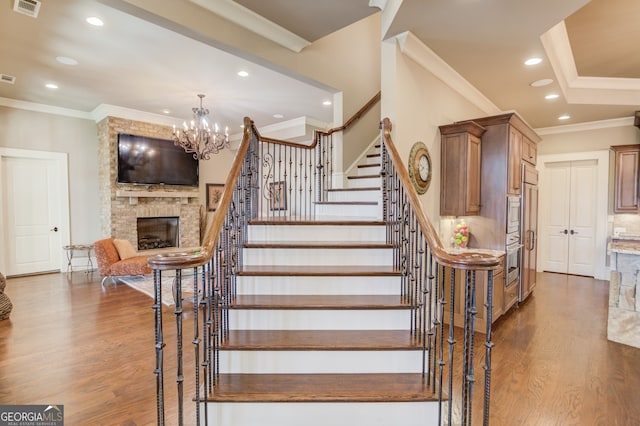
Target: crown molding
x,y
585,127
415,49
255,23
585,90
48,109
105,110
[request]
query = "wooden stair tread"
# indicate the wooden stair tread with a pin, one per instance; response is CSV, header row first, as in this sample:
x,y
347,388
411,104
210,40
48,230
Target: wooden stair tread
x,y
347,203
330,340
321,388
364,166
364,177
286,220
270,301
371,188
319,244
319,270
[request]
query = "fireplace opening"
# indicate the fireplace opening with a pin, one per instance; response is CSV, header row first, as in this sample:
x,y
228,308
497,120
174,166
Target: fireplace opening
x,y
158,232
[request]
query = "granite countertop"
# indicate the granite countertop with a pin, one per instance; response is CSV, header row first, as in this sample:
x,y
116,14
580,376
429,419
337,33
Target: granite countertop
x,y
494,253
624,245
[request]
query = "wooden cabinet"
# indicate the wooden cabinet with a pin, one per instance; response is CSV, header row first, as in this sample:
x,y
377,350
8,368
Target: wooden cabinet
x,y
461,158
529,231
529,150
627,162
515,159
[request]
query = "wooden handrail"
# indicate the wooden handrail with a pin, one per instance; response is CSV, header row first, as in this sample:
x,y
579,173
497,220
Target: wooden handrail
x,y
467,259
366,107
181,260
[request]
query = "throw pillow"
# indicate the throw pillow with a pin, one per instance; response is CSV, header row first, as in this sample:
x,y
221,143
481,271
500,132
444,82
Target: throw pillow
x,y
125,249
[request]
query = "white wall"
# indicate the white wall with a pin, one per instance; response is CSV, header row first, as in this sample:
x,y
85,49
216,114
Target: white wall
x,y
75,137
417,103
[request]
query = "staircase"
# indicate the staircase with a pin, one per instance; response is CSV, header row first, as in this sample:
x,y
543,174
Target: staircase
x,y
319,332
324,306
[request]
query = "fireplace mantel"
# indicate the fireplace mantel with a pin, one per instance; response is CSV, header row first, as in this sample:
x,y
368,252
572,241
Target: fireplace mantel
x,y
134,195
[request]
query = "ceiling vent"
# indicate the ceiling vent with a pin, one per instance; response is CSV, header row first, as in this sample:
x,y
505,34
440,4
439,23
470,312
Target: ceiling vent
x,y
6,78
27,7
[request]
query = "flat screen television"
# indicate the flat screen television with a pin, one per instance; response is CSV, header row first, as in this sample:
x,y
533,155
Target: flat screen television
x,y
151,161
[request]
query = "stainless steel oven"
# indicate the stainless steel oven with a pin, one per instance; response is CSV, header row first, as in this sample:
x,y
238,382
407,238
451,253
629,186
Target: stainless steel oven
x,y
513,258
513,214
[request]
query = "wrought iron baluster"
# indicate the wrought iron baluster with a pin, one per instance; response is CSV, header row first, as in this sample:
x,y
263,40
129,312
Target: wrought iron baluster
x,y
159,345
488,346
179,373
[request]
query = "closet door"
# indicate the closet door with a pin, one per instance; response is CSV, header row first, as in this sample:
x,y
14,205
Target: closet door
x,y
570,231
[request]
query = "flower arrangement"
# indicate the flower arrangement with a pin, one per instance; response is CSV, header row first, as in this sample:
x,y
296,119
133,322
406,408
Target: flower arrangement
x,y
460,237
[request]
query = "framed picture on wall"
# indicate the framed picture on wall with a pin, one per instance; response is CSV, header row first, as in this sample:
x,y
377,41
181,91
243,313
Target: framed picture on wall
x,y
214,195
278,200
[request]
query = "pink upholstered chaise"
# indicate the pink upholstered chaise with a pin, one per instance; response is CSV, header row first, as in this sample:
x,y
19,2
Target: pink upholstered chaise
x,y
110,265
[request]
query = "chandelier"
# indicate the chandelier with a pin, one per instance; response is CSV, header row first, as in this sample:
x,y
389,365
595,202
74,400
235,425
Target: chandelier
x,y
198,138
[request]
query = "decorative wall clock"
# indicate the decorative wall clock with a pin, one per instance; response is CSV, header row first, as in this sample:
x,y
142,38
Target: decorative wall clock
x,y
420,167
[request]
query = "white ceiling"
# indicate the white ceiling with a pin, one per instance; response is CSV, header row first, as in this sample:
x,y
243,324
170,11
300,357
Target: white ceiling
x,y
135,64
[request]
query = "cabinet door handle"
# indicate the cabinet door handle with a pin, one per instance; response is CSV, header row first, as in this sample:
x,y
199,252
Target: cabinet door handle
x,y
573,232
565,232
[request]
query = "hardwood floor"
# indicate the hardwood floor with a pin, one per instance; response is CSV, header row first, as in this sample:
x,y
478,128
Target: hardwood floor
x,y
70,342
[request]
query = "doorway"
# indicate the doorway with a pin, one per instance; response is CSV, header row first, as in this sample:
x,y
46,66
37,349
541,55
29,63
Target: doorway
x,y
573,214
35,212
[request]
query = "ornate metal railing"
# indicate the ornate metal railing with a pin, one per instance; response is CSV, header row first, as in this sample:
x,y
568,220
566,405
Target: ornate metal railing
x,y
262,170
428,283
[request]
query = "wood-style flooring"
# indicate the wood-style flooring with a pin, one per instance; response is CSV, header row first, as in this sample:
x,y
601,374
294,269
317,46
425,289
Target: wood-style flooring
x,y
71,342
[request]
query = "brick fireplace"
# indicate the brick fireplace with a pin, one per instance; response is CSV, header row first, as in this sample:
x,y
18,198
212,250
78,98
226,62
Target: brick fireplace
x,y
122,205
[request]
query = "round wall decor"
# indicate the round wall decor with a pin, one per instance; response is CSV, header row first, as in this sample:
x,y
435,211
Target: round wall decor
x,y
420,167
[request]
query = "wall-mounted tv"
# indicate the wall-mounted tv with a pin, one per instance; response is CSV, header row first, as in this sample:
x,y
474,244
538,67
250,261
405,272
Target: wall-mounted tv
x,y
151,161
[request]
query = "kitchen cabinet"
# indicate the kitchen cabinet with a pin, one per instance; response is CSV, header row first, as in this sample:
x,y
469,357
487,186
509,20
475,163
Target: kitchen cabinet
x,y
627,162
529,231
515,159
529,151
461,163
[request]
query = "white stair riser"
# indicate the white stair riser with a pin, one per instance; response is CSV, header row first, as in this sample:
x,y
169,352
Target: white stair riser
x,y
374,182
349,210
320,362
319,319
371,195
367,171
323,414
262,233
372,160
328,256
375,285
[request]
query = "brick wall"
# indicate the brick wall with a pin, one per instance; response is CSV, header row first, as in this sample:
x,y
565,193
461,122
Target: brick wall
x,y
118,214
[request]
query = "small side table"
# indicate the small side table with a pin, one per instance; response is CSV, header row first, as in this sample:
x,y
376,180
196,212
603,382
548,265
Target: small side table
x,y
72,248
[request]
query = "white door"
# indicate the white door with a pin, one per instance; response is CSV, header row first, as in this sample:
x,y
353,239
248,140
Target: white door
x,y
571,211
34,224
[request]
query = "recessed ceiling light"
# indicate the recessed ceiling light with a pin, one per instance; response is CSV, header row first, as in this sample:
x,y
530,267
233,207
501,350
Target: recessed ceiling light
x,y
543,82
278,116
551,96
166,111
95,21
564,117
51,86
326,103
533,61
65,60
243,73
